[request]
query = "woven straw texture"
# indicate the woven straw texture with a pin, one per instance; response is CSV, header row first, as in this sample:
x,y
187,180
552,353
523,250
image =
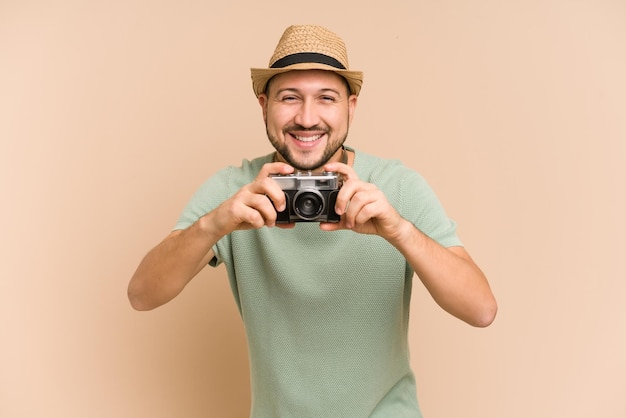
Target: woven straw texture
x,y
310,38
307,39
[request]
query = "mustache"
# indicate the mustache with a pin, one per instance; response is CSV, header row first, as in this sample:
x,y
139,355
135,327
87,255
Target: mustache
x,y
296,127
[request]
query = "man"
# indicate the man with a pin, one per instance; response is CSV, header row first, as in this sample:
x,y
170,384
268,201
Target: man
x,y
325,304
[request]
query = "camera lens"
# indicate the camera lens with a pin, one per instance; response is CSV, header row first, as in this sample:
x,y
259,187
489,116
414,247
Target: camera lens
x,y
308,204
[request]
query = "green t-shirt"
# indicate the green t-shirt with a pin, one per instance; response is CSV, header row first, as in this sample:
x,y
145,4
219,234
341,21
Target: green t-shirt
x,y
326,313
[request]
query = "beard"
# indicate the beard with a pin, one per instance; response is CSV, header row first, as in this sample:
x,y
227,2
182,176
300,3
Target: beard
x,y
308,165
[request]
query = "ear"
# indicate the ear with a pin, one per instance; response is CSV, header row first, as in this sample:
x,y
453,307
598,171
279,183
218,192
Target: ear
x,y
352,101
263,103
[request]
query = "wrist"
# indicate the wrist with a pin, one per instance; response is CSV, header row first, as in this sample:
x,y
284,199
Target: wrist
x,y
209,229
405,235
399,233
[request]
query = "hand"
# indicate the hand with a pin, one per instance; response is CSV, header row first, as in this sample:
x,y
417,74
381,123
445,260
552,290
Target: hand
x,y
251,207
363,207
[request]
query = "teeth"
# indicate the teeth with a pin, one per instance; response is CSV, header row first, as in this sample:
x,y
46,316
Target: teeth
x,y
308,138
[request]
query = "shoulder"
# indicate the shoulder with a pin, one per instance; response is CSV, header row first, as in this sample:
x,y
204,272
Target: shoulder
x,y
385,171
403,186
219,187
233,176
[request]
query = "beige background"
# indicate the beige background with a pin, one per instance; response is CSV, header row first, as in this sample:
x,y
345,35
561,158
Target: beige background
x,y
112,113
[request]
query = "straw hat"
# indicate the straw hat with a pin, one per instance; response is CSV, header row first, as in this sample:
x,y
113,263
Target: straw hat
x,y
307,47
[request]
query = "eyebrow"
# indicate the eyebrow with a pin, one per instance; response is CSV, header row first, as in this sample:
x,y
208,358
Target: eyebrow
x,y
295,90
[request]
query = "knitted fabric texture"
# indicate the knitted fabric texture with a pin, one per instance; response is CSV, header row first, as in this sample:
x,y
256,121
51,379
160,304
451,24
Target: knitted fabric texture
x,y
326,313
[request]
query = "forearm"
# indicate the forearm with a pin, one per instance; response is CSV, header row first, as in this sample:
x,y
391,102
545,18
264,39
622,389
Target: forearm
x,y
168,267
455,282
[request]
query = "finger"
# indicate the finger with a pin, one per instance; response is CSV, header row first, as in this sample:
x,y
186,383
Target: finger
x,y
366,212
262,183
332,226
274,168
265,185
348,193
347,172
264,207
359,210
244,216
348,189
268,188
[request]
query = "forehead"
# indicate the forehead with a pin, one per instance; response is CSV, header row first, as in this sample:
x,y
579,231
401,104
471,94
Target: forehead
x,y
308,79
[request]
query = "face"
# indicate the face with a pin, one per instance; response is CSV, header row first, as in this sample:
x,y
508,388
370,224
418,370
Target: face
x,y
307,114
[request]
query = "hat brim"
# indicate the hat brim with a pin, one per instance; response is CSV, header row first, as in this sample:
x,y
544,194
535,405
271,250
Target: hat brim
x,y
261,76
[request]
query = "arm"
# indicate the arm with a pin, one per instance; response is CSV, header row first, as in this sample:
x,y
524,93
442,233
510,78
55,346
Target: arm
x,y
450,275
168,267
455,282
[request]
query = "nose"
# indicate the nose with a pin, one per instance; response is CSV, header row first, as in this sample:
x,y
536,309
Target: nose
x,y
307,115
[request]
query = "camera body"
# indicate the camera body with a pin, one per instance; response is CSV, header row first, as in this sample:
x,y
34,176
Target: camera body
x,y
310,196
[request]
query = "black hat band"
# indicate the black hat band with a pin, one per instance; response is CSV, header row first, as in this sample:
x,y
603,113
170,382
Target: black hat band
x,y
307,57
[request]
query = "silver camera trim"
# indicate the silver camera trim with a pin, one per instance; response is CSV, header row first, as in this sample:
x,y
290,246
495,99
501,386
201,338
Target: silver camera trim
x,y
317,183
326,180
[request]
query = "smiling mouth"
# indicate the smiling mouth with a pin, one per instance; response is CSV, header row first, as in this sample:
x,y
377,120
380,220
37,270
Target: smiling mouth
x,y
310,138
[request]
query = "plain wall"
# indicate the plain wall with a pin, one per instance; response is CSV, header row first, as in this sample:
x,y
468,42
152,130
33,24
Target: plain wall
x,y
113,113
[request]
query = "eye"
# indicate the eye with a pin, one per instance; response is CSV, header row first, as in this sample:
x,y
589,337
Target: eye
x,y
328,99
289,98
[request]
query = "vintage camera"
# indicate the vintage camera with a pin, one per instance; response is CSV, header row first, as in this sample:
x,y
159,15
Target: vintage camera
x,y
310,196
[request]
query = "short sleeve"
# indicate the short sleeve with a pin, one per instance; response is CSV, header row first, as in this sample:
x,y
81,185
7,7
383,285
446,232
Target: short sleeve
x,y
422,207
